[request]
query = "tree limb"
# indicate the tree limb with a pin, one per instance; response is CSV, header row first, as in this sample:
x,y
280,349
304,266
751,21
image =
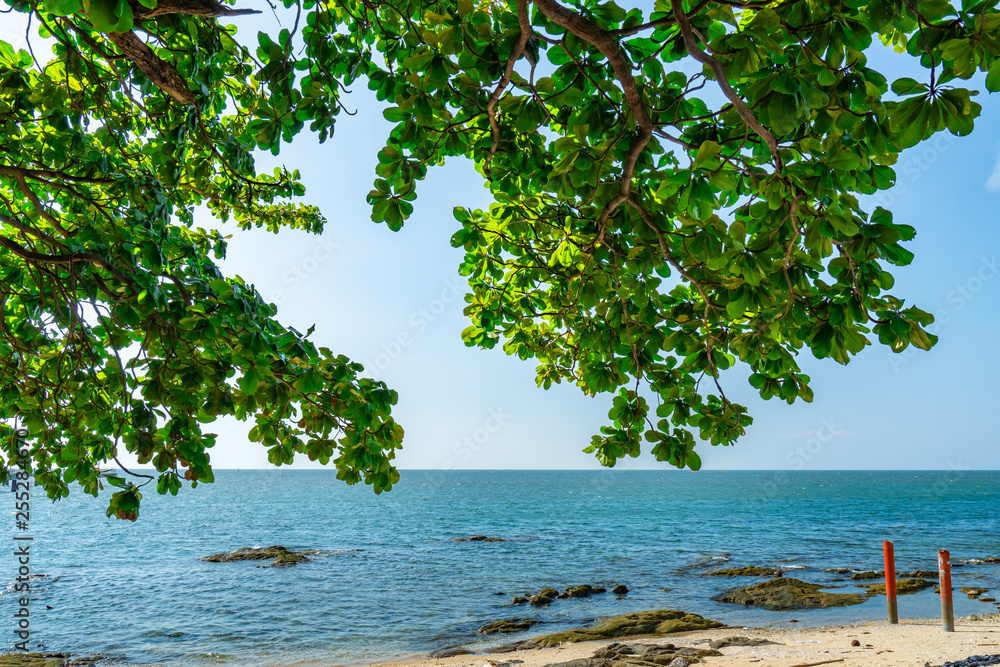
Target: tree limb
x,y
206,8
687,32
163,74
622,66
515,54
63,260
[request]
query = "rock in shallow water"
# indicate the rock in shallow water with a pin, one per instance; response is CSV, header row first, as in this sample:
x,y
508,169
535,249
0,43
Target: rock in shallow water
x,y
903,587
479,538
974,591
656,622
508,625
788,593
451,652
748,571
281,556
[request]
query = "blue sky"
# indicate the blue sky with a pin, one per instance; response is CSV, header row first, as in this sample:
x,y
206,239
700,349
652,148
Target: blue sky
x,y
393,301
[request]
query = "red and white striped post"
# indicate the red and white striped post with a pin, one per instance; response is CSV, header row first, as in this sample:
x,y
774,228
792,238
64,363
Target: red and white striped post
x,y
890,581
944,573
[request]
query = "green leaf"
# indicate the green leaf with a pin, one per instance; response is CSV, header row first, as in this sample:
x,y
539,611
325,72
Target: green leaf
x,y
706,151
993,77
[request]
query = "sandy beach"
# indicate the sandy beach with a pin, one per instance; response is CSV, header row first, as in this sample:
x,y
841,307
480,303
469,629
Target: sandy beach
x,y
913,642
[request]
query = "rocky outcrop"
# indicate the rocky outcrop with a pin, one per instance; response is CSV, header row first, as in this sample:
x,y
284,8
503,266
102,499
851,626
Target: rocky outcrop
x,y
279,555
451,652
656,622
620,589
740,641
788,593
640,655
582,591
547,595
918,574
508,625
903,587
544,597
915,574
479,538
748,571
974,591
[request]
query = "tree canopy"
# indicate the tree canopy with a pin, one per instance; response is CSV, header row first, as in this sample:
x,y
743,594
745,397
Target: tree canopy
x,y
673,189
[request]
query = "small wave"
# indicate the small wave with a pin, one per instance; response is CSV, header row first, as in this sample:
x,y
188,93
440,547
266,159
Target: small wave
x,y
708,561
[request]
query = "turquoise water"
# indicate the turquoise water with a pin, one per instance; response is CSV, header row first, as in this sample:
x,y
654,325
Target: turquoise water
x,y
391,582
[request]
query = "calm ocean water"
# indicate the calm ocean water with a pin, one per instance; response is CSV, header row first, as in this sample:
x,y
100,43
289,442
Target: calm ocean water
x,y
392,582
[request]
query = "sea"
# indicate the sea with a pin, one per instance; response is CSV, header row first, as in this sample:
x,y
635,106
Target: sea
x,y
390,581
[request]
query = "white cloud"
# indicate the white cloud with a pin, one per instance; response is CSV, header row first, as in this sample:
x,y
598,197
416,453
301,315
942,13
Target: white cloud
x,y
12,28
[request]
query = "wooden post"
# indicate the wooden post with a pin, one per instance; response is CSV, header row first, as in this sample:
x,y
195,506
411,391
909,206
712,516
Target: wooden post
x,y
890,582
944,572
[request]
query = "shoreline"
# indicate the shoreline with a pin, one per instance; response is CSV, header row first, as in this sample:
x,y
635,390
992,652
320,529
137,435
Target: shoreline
x,y
913,642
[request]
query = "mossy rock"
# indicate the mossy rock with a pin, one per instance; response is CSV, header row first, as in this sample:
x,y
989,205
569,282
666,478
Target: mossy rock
x,y
918,574
974,591
903,587
281,556
288,558
748,571
656,622
788,593
870,574
479,538
508,625
640,655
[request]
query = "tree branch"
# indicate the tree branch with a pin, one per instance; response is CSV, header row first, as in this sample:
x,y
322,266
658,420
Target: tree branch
x,y
687,32
163,75
515,54
63,260
622,66
206,8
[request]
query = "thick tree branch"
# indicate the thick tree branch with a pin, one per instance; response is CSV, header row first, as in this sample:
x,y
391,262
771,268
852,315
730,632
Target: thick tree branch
x,y
206,8
687,32
163,75
63,260
515,54
622,67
